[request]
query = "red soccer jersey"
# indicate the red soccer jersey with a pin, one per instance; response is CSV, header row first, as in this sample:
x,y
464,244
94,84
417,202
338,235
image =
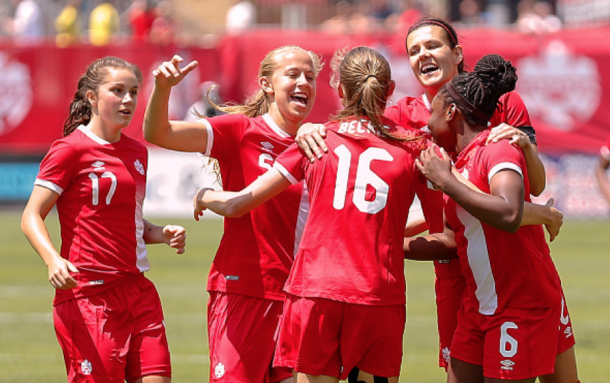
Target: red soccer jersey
x,y
101,186
360,193
502,269
257,249
414,113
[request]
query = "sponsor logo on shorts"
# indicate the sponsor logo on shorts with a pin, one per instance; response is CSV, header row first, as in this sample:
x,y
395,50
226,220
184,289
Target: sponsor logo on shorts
x,y
86,367
98,282
446,354
568,332
219,370
139,167
507,364
232,277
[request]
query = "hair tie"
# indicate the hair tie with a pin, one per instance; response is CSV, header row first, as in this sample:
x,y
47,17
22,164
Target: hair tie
x,y
369,76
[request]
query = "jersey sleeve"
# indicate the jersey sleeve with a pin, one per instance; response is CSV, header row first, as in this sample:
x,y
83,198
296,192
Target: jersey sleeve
x,y
502,156
393,113
58,167
512,111
290,164
224,134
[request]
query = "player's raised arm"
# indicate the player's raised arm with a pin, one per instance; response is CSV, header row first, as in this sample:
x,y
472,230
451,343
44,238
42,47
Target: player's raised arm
x,y
188,136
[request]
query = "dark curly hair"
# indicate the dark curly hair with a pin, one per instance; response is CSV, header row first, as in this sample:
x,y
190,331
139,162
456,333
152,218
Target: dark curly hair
x,y
481,89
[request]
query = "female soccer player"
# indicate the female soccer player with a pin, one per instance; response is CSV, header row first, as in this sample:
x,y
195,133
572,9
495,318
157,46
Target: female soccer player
x,y
436,57
603,163
508,323
107,314
257,250
346,290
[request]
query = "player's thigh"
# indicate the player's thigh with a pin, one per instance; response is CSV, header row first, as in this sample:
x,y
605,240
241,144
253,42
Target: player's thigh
x,y
565,369
148,354
521,344
92,331
241,331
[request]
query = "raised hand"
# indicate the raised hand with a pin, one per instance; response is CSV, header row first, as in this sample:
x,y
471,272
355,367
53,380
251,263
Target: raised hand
x,y
169,73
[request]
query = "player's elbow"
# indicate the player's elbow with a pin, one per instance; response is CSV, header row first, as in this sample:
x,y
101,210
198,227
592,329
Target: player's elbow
x,y
511,222
234,210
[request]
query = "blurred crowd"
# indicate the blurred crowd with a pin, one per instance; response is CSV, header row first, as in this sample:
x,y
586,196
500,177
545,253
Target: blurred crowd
x,y
98,22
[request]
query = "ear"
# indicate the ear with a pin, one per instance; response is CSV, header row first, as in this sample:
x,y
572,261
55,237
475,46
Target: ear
x,y
459,54
266,85
451,113
91,97
391,88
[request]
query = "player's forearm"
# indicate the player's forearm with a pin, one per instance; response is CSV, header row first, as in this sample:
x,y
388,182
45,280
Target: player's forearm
x,y
152,233
37,234
602,180
156,123
535,214
430,247
535,170
493,210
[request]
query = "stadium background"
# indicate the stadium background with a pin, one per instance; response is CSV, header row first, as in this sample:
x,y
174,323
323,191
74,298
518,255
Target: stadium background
x,y
564,80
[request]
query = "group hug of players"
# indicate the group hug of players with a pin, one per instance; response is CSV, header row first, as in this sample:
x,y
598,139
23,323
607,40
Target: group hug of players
x,y
308,282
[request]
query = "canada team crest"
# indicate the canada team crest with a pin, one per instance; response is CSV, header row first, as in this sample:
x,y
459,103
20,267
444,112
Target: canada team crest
x,y
16,97
560,87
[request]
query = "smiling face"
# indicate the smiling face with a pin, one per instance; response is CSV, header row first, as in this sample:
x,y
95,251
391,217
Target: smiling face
x,y
292,88
432,59
439,124
115,101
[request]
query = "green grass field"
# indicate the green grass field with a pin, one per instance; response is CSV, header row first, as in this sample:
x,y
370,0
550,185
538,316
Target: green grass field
x,y
29,351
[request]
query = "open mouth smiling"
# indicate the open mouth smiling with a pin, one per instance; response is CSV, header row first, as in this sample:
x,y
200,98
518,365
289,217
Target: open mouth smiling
x,y
429,68
300,99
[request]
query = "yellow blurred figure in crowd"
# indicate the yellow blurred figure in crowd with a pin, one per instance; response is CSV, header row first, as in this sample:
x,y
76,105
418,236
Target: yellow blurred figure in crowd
x,y
67,25
103,23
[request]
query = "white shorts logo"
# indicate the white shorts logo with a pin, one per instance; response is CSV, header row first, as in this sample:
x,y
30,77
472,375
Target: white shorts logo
x,y
86,367
219,370
507,364
446,354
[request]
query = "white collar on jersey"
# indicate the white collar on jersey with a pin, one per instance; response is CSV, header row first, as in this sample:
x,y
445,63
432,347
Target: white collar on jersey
x,y
267,118
87,131
426,102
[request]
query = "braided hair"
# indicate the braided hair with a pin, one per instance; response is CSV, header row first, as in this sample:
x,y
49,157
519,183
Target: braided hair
x,y
94,76
477,93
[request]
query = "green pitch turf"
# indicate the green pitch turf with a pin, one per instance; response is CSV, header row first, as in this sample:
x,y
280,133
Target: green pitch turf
x,y
29,351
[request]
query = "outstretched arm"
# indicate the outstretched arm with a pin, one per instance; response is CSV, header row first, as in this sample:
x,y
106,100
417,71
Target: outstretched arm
x,y
600,173
432,246
187,136
32,224
535,167
236,204
533,213
172,235
503,209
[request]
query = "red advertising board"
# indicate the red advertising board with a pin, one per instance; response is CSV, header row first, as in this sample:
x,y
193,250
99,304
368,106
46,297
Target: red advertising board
x,y
564,80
